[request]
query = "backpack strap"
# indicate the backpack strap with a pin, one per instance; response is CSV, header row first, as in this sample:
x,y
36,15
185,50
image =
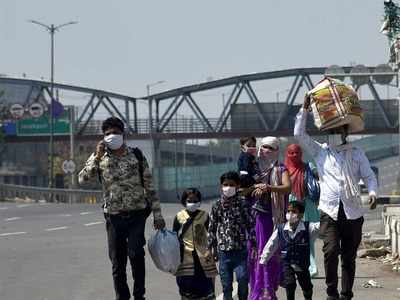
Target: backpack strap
x,y
139,156
188,223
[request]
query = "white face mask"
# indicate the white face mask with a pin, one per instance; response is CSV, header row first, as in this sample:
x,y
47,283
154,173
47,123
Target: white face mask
x,y
192,207
335,140
114,141
229,191
292,218
267,157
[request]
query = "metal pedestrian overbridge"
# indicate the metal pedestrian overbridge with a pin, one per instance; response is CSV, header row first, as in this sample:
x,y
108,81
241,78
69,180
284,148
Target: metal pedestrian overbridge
x,y
234,119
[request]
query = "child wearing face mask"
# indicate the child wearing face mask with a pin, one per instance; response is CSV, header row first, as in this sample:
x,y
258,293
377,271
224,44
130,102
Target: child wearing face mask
x,y
247,161
231,225
195,275
293,240
305,188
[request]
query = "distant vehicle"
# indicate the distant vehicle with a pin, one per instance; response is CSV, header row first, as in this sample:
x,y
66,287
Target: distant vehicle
x,y
362,185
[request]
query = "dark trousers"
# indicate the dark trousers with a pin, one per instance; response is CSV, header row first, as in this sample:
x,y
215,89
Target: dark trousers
x,y
289,282
230,262
126,239
341,237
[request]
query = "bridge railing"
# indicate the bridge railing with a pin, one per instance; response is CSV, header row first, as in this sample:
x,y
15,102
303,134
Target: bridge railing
x,y
245,118
177,125
10,192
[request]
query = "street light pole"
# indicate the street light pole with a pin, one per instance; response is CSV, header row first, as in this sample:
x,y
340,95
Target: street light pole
x,y
150,99
154,153
52,30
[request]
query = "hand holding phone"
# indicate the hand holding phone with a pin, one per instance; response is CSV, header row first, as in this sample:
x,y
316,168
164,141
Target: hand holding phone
x,y
100,149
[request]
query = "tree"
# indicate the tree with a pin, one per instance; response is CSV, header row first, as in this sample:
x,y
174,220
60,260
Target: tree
x,y
391,28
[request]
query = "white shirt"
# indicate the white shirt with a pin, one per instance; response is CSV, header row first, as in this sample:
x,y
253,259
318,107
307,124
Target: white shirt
x,y
329,163
273,243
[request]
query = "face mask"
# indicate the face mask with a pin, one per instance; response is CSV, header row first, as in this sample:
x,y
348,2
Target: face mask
x,y
267,153
229,191
114,141
267,157
294,157
292,218
335,140
251,150
192,207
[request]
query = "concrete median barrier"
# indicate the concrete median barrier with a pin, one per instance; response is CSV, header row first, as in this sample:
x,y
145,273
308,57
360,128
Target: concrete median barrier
x,y
391,223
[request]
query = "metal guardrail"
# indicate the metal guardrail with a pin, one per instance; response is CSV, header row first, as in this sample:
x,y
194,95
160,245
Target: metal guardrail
x,y
11,192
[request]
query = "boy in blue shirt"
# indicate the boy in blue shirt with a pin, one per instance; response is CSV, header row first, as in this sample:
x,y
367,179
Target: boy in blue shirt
x,y
293,240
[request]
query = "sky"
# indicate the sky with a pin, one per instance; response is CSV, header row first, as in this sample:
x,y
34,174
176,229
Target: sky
x,y
123,45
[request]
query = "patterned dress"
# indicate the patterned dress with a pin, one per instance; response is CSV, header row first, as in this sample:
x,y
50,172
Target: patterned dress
x,y
265,279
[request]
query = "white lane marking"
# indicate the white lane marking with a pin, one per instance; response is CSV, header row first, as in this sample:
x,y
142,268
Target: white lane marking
x,y
65,215
12,233
24,205
86,213
94,223
56,228
3,208
234,292
12,219
388,185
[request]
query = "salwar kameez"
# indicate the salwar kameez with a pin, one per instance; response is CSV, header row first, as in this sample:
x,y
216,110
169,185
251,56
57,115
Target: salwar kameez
x,y
298,171
264,279
311,214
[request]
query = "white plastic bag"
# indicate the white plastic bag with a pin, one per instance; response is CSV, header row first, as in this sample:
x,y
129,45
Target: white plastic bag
x,y
164,249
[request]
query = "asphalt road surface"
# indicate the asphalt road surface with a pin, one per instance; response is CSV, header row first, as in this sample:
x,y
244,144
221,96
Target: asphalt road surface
x,y
57,251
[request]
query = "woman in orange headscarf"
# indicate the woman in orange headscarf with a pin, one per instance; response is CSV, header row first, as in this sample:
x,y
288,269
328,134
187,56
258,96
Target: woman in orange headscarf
x,y
301,174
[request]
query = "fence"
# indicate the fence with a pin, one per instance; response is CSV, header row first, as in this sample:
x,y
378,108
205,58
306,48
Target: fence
x,y
12,192
172,181
181,124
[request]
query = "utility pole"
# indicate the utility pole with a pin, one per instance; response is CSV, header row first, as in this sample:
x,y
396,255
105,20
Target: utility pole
x,y
52,29
72,143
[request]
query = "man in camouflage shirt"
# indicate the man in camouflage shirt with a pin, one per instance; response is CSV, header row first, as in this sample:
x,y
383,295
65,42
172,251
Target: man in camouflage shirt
x,y
129,197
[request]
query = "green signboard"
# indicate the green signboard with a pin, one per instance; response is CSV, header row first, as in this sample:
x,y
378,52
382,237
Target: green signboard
x,y
41,125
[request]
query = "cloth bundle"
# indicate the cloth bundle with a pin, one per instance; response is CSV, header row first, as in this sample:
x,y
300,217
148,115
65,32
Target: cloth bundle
x,y
335,104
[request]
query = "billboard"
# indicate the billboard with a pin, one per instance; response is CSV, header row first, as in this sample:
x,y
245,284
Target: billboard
x,y
41,126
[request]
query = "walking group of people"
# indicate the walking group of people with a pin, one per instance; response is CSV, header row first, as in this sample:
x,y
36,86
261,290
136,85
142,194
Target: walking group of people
x,y
262,228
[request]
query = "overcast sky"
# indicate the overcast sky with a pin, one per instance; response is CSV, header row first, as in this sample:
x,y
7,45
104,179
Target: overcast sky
x,y
123,45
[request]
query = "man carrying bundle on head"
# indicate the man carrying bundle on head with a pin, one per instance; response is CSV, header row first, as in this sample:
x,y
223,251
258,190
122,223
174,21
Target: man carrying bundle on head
x,y
340,167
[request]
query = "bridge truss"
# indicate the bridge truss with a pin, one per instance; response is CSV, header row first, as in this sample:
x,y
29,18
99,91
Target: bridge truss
x,y
161,122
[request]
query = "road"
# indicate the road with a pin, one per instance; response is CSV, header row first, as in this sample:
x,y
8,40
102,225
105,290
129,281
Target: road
x,y
57,251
